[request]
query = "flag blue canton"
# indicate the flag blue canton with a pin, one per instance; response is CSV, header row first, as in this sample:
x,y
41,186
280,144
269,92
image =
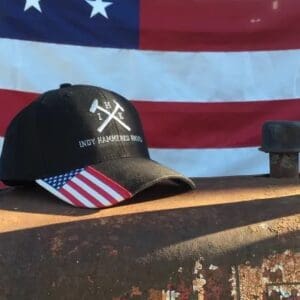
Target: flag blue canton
x,y
71,22
58,181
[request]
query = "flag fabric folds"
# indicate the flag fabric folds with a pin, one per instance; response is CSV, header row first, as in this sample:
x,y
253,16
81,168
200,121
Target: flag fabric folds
x,y
203,74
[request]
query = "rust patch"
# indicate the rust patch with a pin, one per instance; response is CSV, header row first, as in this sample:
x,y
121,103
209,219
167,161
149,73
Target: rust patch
x,y
154,294
288,291
277,278
285,225
56,245
135,291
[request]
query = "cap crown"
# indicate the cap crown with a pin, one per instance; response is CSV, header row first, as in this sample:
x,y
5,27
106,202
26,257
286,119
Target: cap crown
x,y
69,128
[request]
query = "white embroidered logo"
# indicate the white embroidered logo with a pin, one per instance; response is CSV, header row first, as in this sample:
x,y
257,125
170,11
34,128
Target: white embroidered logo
x,y
116,114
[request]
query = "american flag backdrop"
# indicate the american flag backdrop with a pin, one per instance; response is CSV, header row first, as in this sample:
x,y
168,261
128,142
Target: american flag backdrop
x,y
204,74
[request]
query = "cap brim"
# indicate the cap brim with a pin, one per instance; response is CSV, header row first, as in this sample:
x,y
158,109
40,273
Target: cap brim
x,y
111,182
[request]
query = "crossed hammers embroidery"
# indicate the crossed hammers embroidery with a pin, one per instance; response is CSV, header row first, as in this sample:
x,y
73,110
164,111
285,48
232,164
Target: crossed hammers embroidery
x,y
110,115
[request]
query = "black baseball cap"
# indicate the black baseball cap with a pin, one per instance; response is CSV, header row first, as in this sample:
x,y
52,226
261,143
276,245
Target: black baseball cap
x,y
85,145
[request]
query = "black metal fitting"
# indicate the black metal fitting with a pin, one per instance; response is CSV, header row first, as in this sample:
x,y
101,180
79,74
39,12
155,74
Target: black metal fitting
x,y
281,139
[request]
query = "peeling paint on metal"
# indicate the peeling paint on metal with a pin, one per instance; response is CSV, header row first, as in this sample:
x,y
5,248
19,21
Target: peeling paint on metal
x,y
199,281
275,277
170,295
212,267
233,282
198,265
278,277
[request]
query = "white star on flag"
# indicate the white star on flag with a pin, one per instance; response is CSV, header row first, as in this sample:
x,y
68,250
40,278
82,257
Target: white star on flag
x,y
99,7
32,3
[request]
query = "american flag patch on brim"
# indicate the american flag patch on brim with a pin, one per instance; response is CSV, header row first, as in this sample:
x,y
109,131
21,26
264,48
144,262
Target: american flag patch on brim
x,y
85,187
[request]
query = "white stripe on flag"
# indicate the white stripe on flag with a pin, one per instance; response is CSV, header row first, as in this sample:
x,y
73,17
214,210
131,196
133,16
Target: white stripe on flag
x,y
92,192
53,191
103,186
214,162
183,76
78,196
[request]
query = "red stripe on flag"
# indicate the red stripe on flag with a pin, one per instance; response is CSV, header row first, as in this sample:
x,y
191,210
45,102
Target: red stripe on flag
x,y
202,125
211,125
11,103
85,194
112,184
71,198
214,25
103,193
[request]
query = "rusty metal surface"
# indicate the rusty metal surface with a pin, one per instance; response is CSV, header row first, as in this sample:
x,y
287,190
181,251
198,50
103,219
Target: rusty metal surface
x,y
284,165
233,238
